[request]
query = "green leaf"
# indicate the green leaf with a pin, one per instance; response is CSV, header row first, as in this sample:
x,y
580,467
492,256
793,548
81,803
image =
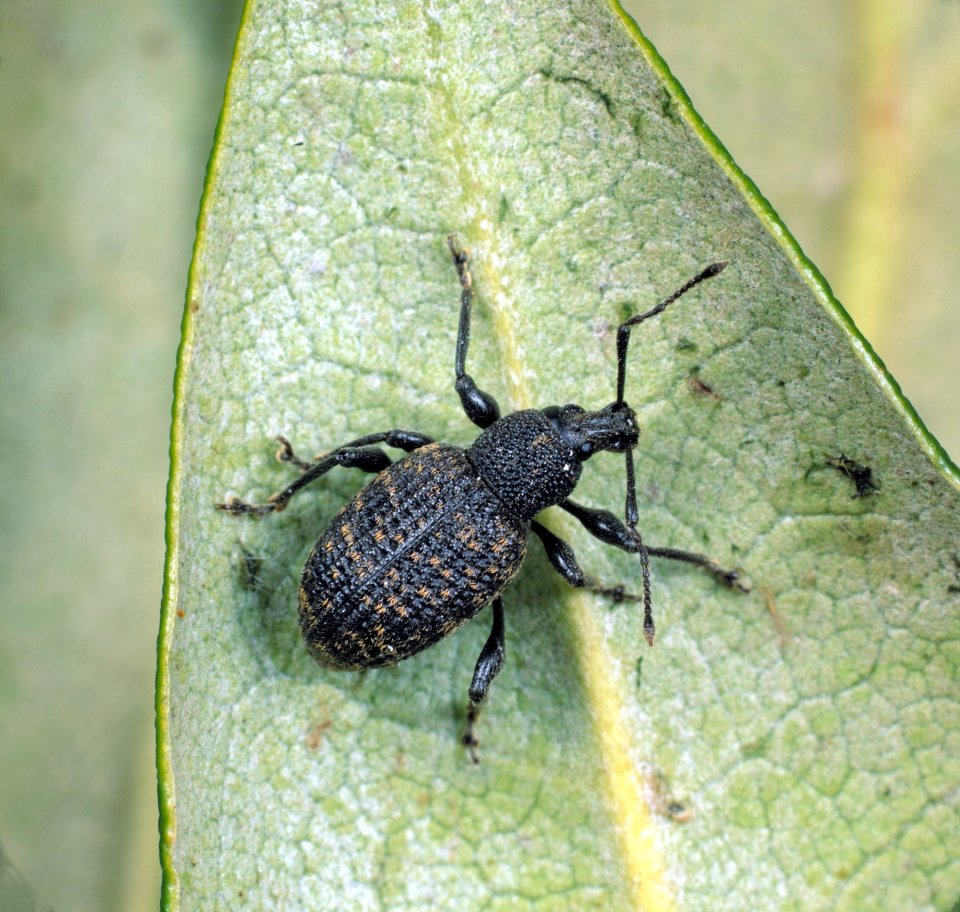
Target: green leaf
x,y
792,749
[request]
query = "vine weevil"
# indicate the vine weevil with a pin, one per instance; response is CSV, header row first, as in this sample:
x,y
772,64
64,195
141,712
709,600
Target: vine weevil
x,y
437,535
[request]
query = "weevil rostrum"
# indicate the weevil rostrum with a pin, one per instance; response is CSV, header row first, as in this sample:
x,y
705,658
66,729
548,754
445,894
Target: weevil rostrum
x,y
437,535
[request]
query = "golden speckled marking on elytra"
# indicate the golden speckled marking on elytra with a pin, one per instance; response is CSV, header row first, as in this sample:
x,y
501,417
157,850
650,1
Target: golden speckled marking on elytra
x,y
379,535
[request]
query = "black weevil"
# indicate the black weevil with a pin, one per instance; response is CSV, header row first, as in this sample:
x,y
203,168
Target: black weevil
x,y
437,535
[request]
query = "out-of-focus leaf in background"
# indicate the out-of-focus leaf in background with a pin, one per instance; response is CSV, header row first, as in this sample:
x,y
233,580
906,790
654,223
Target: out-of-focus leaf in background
x,y
108,110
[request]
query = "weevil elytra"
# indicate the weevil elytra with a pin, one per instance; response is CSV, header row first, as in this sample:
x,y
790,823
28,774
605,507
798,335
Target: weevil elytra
x,y
437,535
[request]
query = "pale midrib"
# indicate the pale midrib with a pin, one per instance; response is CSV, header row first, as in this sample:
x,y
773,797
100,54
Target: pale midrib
x,y
634,821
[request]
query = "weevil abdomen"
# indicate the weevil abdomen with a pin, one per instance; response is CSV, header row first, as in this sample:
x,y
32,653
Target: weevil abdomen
x,y
417,553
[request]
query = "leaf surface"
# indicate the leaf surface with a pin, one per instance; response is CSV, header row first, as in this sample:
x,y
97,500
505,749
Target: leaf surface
x,y
790,749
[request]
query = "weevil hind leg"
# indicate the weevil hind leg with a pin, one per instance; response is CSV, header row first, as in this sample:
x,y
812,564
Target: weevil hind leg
x,y
488,667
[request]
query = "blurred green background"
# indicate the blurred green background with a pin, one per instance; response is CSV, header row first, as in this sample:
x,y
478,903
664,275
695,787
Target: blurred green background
x,y
847,116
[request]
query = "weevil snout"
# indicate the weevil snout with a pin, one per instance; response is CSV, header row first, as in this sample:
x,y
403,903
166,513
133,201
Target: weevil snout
x,y
624,429
614,427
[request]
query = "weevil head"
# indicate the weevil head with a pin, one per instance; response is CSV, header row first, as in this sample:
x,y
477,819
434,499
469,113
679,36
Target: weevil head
x,y
614,427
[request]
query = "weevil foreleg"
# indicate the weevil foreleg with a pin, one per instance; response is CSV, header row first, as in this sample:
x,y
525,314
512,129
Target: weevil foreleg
x,y
481,408
729,578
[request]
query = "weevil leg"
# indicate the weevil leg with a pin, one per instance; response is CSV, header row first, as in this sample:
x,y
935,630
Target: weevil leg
x,y
488,667
286,454
564,562
357,454
604,525
367,459
395,437
480,407
561,555
728,578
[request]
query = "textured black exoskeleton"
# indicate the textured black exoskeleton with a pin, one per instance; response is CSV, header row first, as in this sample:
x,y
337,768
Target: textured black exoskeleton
x,y
437,535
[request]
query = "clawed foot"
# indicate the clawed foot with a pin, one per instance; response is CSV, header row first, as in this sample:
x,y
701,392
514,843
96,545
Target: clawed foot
x,y
468,739
237,507
728,578
286,454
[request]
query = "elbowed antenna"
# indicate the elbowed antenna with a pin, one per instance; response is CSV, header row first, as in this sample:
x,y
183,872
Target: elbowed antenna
x,y
630,509
623,340
623,332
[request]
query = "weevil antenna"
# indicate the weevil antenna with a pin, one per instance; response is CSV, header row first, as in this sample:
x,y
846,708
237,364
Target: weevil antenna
x,y
623,341
630,510
623,331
